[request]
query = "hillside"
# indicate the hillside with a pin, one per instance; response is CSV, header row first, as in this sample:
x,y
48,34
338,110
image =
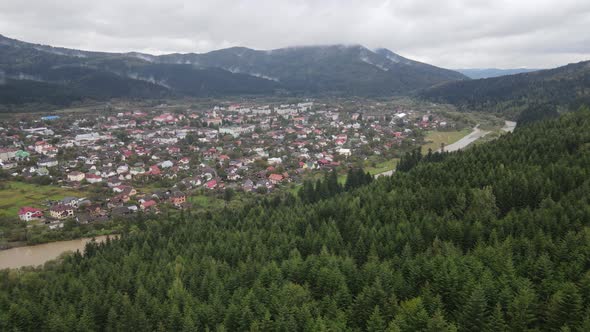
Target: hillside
x,y
477,73
561,86
334,69
65,76
496,238
350,69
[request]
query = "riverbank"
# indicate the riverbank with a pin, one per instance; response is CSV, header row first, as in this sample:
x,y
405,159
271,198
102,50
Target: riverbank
x,y
39,254
41,235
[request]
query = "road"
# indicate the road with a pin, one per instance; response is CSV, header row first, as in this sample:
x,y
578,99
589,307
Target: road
x,y
465,141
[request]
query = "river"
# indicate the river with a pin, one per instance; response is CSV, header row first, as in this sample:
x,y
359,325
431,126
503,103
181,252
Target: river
x,y
39,254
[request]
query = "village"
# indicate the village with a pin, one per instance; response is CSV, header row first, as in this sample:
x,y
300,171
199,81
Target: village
x,y
153,158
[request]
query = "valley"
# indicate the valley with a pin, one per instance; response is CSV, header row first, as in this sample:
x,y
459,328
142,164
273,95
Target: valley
x,y
294,166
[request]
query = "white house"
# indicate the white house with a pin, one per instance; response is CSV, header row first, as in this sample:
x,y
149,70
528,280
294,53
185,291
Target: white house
x,y
76,176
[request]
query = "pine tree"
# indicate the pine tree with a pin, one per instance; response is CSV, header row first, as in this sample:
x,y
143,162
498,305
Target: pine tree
x,y
376,323
475,311
86,322
437,323
565,307
497,322
522,309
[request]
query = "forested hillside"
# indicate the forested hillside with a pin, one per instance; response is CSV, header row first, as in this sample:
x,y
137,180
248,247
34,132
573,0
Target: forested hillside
x,y
68,75
496,238
511,94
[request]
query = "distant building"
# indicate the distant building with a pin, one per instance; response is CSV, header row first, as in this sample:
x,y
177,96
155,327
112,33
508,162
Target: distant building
x,y
178,198
236,131
61,211
76,176
275,178
7,154
27,213
50,117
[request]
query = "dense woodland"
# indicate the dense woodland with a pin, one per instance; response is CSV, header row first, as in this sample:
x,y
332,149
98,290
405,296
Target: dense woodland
x,y
565,86
496,238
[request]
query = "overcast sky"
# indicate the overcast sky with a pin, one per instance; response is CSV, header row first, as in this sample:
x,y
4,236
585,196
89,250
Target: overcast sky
x,y
447,33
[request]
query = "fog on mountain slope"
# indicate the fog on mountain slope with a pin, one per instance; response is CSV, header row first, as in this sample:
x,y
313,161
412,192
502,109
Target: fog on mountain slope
x,y
331,69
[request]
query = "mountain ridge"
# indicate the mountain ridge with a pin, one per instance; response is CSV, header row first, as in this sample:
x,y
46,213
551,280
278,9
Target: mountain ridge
x,y
565,86
328,69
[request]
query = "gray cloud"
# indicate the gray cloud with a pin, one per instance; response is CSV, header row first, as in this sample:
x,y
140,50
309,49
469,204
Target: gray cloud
x,y
452,34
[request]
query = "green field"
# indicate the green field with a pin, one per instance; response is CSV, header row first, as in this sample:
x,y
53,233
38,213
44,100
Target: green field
x,y
14,195
384,166
434,139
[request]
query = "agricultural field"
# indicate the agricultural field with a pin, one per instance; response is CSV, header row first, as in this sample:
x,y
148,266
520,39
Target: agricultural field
x,y
383,166
434,139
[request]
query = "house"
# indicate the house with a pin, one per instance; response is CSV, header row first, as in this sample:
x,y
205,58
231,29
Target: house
x,y
173,149
85,218
70,201
61,211
122,169
50,162
128,190
41,146
233,176
7,154
95,210
117,201
275,161
178,198
27,213
211,184
121,211
165,118
8,164
76,176
275,178
344,152
136,170
154,170
213,122
113,182
42,171
167,164
149,204
248,185
93,178
22,155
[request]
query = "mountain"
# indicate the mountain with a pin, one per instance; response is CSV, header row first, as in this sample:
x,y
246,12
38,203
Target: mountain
x,y
561,86
477,73
495,238
333,69
66,75
351,69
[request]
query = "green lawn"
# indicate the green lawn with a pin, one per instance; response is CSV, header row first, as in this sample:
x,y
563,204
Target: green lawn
x,y
433,139
204,201
383,166
14,195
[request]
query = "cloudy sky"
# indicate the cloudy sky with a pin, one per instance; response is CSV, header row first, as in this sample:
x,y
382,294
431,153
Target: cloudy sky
x,y
448,33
